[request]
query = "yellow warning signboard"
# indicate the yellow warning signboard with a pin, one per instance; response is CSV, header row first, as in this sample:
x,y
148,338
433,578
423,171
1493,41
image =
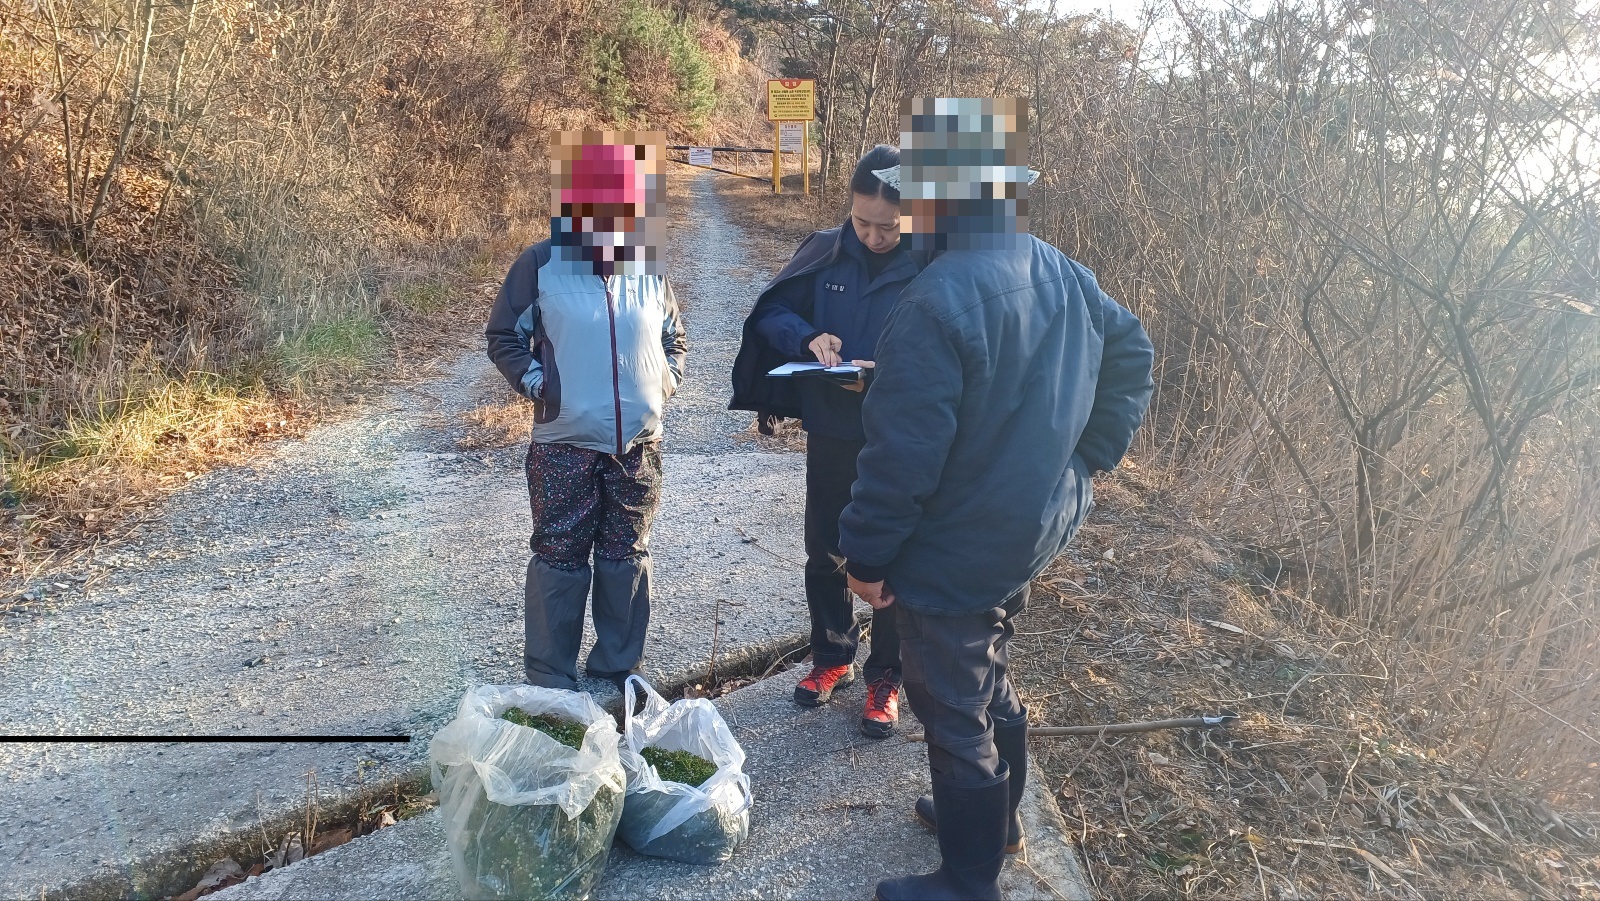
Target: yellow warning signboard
x,y
791,99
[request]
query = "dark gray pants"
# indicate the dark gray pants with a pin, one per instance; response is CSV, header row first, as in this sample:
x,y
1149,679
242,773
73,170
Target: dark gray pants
x,y
954,670
553,623
830,472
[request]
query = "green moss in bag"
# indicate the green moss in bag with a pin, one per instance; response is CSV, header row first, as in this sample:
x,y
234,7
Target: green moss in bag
x,y
679,766
688,798
530,791
565,731
536,851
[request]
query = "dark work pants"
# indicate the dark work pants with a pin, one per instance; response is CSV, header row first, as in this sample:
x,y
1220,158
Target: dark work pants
x,y
830,471
587,502
955,679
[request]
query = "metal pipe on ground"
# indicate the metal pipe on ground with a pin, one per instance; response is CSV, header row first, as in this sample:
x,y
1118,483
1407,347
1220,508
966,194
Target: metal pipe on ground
x,y
720,149
723,171
1188,722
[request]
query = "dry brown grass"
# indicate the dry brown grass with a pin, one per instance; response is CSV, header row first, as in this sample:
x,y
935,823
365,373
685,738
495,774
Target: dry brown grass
x,y
100,475
787,437
499,417
777,223
1326,787
106,473
498,425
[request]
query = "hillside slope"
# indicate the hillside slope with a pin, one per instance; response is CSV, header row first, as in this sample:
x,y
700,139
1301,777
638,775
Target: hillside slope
x,y
218,215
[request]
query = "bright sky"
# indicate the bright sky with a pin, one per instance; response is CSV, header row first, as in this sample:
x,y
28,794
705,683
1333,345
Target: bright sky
x,y
1570,144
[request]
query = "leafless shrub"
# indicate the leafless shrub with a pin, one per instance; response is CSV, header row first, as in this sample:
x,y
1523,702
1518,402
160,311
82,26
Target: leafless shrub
x,y
1377,229
228,187
1367,240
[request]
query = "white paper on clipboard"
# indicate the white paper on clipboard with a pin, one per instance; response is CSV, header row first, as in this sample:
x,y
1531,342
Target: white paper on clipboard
x,y
790,369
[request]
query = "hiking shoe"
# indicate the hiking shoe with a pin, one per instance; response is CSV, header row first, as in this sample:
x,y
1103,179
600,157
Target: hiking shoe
x,y
883,706
818,685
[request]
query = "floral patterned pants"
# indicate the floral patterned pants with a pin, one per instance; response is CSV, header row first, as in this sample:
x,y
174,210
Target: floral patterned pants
x,y
585,500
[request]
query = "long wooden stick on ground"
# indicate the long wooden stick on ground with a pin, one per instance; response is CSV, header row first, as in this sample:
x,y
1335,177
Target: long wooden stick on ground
x,y
1188,722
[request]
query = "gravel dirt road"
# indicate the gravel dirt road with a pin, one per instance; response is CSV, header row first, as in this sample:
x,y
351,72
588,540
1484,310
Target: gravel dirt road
x,y
355,582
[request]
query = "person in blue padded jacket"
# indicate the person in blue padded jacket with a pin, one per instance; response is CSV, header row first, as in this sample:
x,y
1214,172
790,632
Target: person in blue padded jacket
x,y
828,305
1006,379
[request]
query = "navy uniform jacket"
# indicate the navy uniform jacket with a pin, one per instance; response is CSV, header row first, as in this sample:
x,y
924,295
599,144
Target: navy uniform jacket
x,y
824,288
1005,379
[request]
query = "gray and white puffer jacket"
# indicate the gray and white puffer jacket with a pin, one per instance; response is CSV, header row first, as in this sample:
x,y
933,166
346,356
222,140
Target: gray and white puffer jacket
x,y
598,356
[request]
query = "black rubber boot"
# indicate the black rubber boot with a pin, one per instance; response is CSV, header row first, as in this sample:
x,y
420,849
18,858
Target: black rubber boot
x,y
971,845
1011,742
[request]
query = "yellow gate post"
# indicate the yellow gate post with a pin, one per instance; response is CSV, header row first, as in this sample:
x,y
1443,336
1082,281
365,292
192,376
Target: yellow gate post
x,y
777,158
805,156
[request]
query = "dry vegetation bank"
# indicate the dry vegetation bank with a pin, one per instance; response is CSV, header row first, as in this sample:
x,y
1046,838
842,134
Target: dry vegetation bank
x,y
1325,788
216,213
1367,241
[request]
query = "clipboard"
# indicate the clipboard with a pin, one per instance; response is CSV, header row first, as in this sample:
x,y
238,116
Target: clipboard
x,y
844,374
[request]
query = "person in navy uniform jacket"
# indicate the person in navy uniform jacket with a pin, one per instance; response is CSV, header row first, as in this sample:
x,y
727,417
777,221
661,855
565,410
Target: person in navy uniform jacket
x,y
828,305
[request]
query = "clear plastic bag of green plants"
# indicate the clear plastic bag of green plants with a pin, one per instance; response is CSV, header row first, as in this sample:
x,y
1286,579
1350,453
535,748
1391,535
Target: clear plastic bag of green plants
x,y
525,815
700,823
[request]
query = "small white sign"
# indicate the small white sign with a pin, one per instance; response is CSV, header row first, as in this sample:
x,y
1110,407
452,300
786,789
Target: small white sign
x,y
790,136
699,156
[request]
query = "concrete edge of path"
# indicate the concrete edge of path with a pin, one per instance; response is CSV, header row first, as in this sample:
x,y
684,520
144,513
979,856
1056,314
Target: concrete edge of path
x,y
409,861
176,869
1050,856
169,873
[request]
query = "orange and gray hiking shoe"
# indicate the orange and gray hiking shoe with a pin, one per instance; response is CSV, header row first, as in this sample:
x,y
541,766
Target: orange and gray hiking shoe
x,y
883,706
818,685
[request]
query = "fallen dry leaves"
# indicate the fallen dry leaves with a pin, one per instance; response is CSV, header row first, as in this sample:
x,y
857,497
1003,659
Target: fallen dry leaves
x,y
291,846
1332,784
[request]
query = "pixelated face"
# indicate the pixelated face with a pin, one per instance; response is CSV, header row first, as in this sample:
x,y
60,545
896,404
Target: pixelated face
x,y
964,169
607,197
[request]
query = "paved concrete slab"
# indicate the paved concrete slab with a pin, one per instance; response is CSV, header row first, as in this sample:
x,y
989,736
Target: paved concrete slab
x,y
832,816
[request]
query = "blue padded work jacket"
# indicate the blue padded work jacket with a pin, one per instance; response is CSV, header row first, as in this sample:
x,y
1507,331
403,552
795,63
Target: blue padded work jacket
x,y
1005,379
